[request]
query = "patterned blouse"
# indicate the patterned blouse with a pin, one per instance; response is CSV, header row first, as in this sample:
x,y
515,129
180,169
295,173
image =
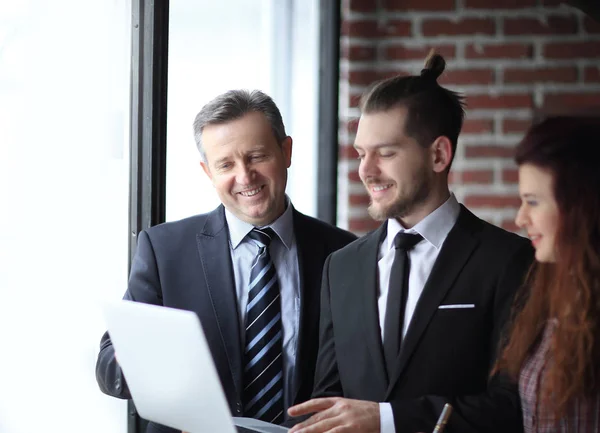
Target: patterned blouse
x,y
583,415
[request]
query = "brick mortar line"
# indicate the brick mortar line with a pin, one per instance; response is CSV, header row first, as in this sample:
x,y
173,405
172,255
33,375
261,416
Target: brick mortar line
x,y
358,212
480,114
459,165
353,113
497,214
465,164
473,64
460,13
536,41
356,188
510,89
487,140
489,190
479,38
501,139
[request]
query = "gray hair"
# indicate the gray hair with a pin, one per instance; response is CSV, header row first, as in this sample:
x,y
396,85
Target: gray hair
x,y
233,105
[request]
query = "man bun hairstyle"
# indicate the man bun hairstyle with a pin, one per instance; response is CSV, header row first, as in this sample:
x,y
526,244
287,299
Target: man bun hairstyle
x,y
433,110
434,67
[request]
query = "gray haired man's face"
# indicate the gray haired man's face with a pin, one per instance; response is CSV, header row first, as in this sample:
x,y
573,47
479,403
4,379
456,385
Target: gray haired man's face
x,y
247,167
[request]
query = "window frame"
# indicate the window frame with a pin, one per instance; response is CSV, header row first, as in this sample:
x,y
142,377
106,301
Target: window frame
x,y
148,109
148,131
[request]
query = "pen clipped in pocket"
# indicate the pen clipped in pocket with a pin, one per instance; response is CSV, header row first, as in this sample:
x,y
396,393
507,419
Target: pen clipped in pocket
x,y
455,306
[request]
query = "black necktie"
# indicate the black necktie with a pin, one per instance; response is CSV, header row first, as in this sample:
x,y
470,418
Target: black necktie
x,y
397,296
263,363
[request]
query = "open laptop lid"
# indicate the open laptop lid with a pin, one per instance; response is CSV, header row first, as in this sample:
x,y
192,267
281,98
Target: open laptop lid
x,y
168,367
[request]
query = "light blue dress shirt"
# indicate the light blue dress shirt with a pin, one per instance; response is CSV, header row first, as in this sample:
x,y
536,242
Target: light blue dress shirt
x,y
284,253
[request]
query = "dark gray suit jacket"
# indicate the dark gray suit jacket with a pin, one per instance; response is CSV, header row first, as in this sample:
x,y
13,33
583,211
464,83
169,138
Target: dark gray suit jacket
x,y
187,265
447,354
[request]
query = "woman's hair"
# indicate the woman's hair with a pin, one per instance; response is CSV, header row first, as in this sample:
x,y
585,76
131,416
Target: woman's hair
x,y
568,290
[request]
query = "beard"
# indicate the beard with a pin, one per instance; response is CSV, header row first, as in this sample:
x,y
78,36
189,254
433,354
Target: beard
x,y
405,202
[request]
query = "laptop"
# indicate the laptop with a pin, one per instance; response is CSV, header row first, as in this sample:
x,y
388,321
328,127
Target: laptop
x,y
170,371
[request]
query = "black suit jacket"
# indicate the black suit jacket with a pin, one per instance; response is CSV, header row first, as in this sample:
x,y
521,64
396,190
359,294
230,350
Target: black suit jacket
x,y
187,265
447,354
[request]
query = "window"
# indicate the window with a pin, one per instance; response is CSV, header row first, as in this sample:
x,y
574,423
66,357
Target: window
x,y
64,177
270,45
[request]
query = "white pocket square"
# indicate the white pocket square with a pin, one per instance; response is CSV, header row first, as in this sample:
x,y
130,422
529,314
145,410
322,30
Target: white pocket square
x,y
452,306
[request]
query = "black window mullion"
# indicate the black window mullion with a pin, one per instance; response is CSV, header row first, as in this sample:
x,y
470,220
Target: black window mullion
x,y
149,57
329,69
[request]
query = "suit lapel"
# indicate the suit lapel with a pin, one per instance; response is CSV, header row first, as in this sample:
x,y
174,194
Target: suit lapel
x,y
310,255
365,296
455,253
213,247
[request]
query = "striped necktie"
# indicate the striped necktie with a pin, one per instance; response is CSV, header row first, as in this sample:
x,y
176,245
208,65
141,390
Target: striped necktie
x,y
263,361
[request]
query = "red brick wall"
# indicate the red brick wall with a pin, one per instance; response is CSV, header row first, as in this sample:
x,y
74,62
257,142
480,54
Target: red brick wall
x,y
512,58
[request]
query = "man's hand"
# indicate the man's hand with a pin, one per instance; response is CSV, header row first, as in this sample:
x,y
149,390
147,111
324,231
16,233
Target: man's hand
x,y
337,415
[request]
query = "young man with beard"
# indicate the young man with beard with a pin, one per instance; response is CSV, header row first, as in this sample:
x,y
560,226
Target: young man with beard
x,y
251,269
412,314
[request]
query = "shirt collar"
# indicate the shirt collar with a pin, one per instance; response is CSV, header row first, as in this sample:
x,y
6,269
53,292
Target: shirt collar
x,y
283,226
434,227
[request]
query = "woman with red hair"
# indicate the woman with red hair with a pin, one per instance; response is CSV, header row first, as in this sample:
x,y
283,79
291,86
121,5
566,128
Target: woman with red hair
x,y
553,348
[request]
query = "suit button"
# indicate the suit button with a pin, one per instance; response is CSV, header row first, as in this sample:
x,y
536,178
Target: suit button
x,y
118,384
238,408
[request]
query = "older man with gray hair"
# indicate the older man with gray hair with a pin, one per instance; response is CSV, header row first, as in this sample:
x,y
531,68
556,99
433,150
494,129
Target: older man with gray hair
x,y
251,269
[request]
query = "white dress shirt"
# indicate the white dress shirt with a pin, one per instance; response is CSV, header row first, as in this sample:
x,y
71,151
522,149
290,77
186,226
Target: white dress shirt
x,y
434,228
284,254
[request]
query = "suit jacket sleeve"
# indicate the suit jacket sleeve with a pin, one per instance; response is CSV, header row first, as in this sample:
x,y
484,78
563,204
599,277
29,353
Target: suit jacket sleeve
x,y
144,286
496,410
327,380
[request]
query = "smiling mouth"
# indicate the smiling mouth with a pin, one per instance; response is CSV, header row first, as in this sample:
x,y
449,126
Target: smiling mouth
x,y
379,188
251,192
